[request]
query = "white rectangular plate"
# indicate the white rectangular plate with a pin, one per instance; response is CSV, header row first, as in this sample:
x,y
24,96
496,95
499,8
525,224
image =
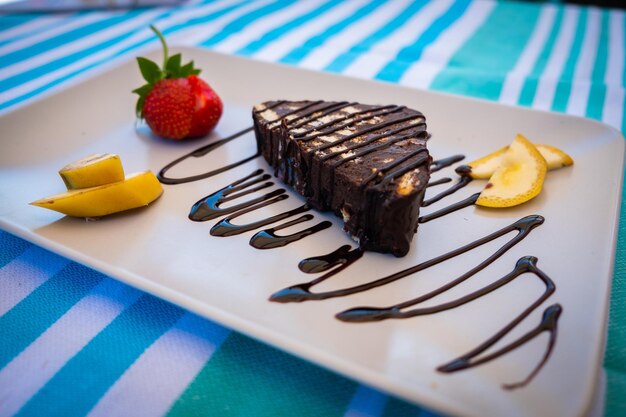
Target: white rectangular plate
x,y
159,250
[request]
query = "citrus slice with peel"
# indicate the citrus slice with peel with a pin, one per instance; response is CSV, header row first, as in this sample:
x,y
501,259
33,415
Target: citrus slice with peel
x,y
519,177
554,157
483,168
91,171
136,190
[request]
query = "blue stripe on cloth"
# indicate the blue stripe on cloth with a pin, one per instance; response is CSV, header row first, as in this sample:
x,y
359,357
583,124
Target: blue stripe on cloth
x,y
12,247
78,386
9,21
65,38
298,54
21,325
195,21
344,60
394,70
243,21
201,19
280,31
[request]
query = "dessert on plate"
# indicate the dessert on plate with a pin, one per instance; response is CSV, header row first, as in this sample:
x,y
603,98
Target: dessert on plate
x,y
368,164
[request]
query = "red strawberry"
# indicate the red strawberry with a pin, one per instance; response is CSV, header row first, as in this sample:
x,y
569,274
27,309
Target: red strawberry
x,y
175,103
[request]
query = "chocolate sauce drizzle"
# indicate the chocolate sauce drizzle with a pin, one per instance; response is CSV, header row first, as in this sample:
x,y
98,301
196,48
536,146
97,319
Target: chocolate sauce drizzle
x,y
344,257
268,239
302,292
460,183
549,323
208,208
202,152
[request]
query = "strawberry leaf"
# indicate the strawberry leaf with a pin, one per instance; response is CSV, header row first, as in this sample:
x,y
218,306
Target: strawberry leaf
x,y
173,66
142,92
149,70
188,69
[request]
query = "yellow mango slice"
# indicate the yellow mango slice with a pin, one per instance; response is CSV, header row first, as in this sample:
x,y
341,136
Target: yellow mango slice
x,y
91,171
519,177
136,190
483,168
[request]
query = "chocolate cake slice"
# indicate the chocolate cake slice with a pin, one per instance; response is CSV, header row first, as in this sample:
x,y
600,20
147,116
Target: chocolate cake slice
x,y
368,164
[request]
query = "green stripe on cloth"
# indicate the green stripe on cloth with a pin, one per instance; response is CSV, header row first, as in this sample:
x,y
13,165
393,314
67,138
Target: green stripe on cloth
x,y
25,322
281,31
598,87
12,247
495,55
564,86
301,52
247,378
243,21
78,386
530,86
615,396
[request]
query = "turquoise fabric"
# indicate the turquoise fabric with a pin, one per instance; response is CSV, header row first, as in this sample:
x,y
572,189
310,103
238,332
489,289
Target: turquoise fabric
x,y
74,342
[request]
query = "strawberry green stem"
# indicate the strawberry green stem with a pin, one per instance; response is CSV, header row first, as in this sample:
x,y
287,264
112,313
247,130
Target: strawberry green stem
x,y
162,39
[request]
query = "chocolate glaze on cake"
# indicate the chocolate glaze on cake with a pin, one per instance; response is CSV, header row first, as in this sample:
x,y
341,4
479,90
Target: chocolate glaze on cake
x,y
368,164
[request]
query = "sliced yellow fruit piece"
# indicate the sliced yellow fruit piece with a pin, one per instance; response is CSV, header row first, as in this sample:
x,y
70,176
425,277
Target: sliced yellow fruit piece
x,y
484,167
91,171
555,157
518,178
136,190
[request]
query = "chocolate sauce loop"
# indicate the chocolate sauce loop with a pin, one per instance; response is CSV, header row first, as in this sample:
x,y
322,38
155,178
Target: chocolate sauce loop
x,y
204,150
302,292
268,239
549,323
523,265
208,208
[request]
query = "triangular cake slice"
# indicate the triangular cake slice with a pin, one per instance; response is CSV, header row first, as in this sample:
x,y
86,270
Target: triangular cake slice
x,y
368,164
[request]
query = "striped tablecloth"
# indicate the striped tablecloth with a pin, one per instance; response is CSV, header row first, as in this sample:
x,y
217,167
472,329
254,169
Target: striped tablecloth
x,y
75,342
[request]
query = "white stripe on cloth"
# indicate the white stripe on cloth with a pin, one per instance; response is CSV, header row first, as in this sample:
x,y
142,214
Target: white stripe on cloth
x,y
161,374
437,55
366,402
196,34
30,27
263,25
106,53
81,44
353,34
548,81
613,108
22,378
25,273
55,30
514,81
581,84
371,62
275,50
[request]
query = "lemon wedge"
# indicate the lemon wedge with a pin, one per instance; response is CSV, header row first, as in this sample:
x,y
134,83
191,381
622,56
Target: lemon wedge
x,y
518,178
483,168
555,157
91,171
136,190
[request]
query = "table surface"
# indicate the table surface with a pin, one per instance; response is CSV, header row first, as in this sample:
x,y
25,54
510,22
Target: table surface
x,y
75,342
